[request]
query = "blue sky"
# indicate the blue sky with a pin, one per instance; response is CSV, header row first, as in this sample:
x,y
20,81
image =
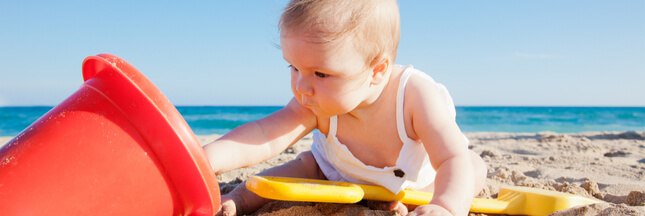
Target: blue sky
x,y
518,53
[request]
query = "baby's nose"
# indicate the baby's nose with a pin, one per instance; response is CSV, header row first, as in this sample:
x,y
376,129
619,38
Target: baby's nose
x,y
303,87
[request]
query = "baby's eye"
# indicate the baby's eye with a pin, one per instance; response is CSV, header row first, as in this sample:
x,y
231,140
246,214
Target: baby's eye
x,y
293,68
321,75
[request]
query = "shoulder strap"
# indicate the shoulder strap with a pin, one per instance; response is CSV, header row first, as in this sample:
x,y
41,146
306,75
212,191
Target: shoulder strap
x,y
333,125
400,118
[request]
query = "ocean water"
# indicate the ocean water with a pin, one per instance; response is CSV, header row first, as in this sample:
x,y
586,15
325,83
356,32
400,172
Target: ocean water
x,y
221,119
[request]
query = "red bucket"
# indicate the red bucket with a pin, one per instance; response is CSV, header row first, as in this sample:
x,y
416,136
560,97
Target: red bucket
x,y
117,146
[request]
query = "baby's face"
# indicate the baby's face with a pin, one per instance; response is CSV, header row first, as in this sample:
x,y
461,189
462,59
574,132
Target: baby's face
x,y
329,80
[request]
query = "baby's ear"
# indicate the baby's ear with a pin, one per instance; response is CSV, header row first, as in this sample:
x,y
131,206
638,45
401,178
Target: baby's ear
x,y
379,70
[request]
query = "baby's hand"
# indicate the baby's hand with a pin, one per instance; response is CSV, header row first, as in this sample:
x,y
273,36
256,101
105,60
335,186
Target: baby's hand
x,y
429,210
228,207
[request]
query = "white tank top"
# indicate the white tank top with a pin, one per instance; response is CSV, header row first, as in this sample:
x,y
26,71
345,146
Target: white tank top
x,y
412,170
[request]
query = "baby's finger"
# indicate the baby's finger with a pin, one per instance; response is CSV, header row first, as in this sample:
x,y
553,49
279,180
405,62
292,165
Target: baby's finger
x,y
397,206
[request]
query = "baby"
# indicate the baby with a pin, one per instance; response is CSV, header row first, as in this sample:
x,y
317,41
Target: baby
x,y
378,123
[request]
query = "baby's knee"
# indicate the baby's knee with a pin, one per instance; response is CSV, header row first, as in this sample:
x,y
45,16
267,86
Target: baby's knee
x,y
307,162
305,157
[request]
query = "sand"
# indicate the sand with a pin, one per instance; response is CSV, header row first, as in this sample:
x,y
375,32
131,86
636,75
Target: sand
x,y
609,166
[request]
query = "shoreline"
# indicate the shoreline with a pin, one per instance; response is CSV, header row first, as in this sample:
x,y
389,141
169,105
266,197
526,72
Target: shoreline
x,y
609,166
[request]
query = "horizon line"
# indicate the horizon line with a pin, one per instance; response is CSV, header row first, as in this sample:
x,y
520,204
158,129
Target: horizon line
x,y
259,105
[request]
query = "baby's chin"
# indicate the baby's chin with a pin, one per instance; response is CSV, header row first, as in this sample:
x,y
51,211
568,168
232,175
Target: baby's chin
x,y
320,112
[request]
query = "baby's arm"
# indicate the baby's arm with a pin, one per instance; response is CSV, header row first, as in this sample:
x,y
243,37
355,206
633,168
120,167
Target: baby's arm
x,y
435,126
260,140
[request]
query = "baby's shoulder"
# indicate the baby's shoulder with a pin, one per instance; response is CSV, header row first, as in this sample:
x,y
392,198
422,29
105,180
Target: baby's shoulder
x,y
420,83
423,93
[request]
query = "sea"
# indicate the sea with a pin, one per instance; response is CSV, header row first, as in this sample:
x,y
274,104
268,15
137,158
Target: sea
x,y
205,120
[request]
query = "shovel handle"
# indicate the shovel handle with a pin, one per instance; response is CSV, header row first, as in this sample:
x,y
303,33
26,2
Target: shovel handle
x,y
479,205
296,189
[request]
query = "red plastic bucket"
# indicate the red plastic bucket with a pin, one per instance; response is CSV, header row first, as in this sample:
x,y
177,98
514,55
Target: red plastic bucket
x,y
117,146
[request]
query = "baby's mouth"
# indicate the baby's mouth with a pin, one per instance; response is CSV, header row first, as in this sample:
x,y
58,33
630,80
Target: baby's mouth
x,y
306,101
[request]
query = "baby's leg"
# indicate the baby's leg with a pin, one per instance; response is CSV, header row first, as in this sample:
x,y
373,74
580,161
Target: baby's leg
x,y
242,201
480,169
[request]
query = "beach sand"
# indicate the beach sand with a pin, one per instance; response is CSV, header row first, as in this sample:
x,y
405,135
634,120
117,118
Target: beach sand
x,y
609,166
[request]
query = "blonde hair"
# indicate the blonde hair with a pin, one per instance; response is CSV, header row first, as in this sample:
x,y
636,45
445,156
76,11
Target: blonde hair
x,y
374,25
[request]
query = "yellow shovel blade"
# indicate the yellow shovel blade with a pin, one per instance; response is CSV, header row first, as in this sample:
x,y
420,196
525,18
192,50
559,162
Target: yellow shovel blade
x,y
511,200
534,201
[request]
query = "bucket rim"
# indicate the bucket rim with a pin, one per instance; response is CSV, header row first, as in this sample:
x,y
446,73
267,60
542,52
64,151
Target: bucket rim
x,y
170,138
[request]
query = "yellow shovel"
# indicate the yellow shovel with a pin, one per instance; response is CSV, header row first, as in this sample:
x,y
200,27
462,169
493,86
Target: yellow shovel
x,y
511,200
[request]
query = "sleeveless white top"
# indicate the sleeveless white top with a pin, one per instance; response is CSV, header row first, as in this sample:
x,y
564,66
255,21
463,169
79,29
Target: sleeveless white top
x,y
412,170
